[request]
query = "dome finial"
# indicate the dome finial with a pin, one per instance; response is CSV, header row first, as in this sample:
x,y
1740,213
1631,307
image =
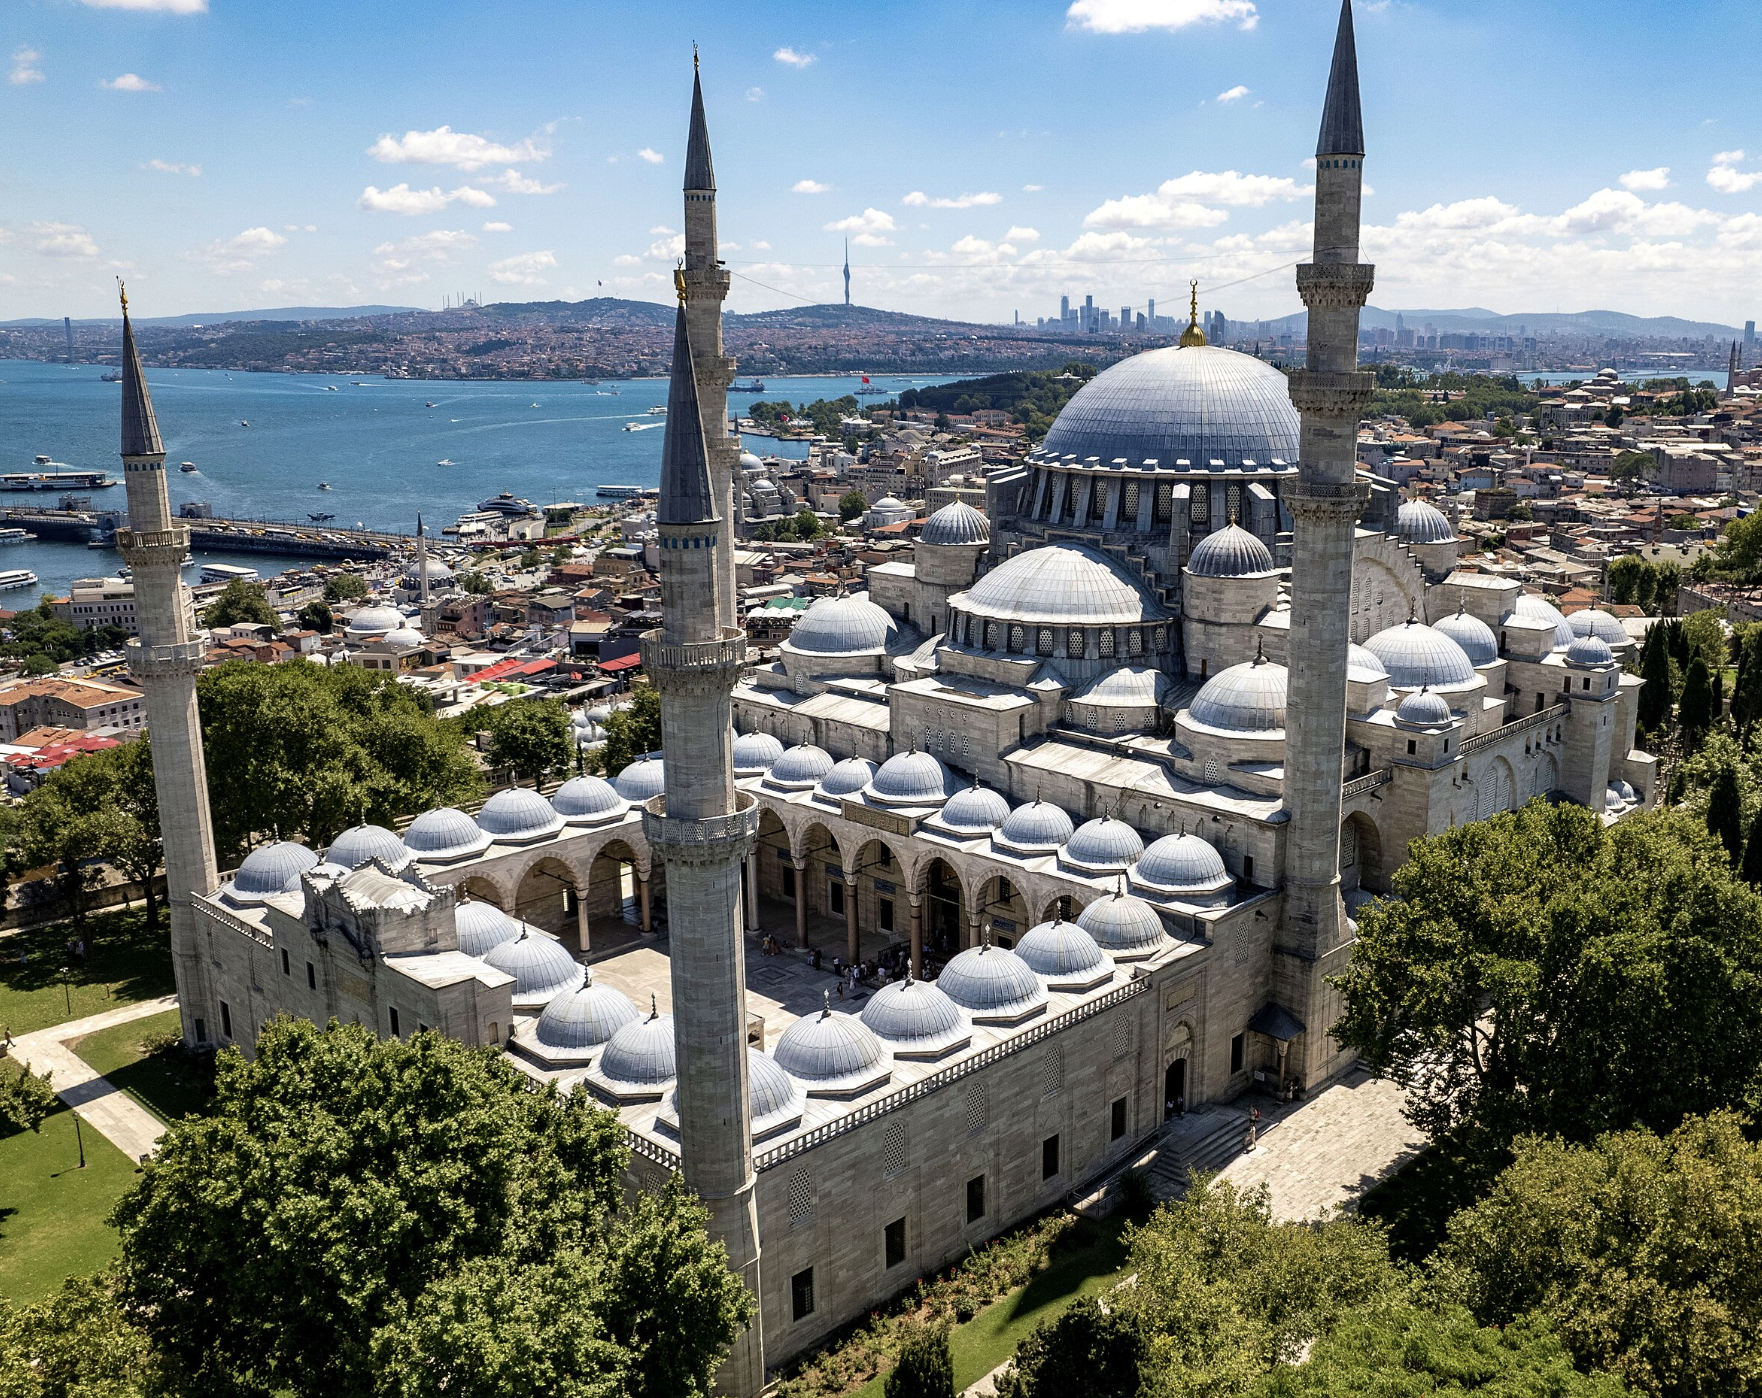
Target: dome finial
x,y
1260,650
826,1010
1412,610
1193,335
654,1006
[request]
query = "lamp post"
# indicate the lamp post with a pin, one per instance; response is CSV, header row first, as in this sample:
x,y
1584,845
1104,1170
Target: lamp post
x,y
66,993
79,1136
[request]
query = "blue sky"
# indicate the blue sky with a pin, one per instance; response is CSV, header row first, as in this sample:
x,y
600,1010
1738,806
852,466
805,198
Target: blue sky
x,y
984,157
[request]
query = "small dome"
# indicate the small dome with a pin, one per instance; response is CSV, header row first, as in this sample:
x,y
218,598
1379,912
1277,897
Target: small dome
x,y
958,523
992,984
586,799
916,1019
1364,661
1123,925
887,502
832,1053
1125,687
1418,522
1230,552
444,834
356,846
1537,608
519,814
802,765
437,571
1103,845
585,1016
754,753
643,778
848,777
776,1102
1246,698
599,713
370,623
1589,650
749,462
273,869
1472,634
539,966
405,638
482,927
1177,863
976,810
912,779
1065,955
641,1053
1415,654
1593,621
843,626
1035,827
1423,709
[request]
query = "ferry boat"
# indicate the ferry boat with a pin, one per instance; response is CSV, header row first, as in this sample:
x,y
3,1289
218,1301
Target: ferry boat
x,y
659,410
16,536
227,572
446,461
55,480
620,492
114,376
507,503
187,467
16,577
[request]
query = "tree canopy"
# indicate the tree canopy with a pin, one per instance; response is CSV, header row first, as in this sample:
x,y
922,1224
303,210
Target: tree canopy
x,y
633,730
242,601
36,633
531,736
345,587
101,806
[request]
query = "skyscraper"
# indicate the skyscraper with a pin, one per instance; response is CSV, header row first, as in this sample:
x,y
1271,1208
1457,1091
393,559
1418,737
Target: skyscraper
x,y
165,659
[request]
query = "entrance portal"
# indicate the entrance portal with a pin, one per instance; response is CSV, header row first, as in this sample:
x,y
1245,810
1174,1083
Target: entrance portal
x,y
1174,1089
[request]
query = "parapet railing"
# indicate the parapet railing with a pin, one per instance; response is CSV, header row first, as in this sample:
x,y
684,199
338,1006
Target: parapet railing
x,y
652,1150
1370,781
1511,730
233,924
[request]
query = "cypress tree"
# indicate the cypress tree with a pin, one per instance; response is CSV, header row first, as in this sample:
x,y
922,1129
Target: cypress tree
x,y
1752,866
1746,698
1654,703
1725,813
1695,710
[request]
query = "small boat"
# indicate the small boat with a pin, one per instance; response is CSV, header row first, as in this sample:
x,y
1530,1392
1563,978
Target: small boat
x,y
320,517
446,461
656,411
330,388
16,536
753,386
243,423
431,405
114,376
17,577
324,485
187,467
97,543
534,405
641,426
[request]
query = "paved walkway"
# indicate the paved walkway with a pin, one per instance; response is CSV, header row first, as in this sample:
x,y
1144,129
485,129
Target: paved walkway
x,y
121,1120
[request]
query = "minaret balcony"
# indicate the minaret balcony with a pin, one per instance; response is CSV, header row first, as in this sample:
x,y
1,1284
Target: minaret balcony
x,y
1331,394
144,543
1335,286
179,658
661,657
719,837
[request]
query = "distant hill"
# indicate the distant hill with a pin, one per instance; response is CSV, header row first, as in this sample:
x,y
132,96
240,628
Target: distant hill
x,y
222,317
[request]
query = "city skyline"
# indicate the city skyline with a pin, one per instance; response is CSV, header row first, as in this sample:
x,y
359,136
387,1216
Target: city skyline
x,y
1107,147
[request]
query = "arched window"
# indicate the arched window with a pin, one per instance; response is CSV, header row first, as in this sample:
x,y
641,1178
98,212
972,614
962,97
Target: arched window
x,y
1074,643
1129,504
1070,509
991,635
1165,502
1134,641
1045,640
1104,638
1199,512
1233,502
1098,502
1018,639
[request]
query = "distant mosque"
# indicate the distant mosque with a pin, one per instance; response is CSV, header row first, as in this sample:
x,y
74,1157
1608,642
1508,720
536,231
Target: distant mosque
x,y
1099,777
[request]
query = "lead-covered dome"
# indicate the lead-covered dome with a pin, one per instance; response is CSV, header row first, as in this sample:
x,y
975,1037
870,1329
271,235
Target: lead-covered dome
x,y
754,753
640,1054
444,835
1246,698
916,1020
1589,650
912,779
1416,655
585,1017
1059,584
1180,864
843,626
1593,621
273,869
848,777
1420,522
370,623
643,778
587,800
1424,710
1035,827
355,846
957,523
539,966
1123,926
1230,552
482,927
1363,665
1472,634
1102,846
518,816
800,766
1065,956
993,985
976,810
835,1054
1536,608
1201,404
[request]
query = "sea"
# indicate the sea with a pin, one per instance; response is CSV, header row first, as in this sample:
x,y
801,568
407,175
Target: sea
x,y
265,445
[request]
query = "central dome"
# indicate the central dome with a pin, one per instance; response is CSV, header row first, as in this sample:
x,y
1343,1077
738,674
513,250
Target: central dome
x,y
1064,583
1196,406
843,626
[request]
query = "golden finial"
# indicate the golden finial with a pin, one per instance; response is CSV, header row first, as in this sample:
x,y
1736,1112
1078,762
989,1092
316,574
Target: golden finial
x,y
679,281
694,55
122,291
1193,335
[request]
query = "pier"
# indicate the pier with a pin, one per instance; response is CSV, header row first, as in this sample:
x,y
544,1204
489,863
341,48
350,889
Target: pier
x,y
232,535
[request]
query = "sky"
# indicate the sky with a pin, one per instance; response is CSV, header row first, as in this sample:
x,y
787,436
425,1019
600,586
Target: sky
x,y
982,156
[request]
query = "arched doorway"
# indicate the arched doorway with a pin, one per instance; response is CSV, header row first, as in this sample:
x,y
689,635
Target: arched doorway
x,y
941,911
546,898
482,889
882,899
1004,910
1361,850
1174,1089
616,896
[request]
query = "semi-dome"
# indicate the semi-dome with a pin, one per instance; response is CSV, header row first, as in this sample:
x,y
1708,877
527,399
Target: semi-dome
x,y
993,985
643,778
444,834
912,779
1589,650
843,626
1423,709
354,847
1365,663
1065,956
585,1017
586,800
1035,827
834,1054
916,1019
1415,655
1125,687
848,777
640,1054
1059,584
1528,604
956,523
273,869
1420,522
541,968
482,927
975,810
1123,926
1180,863
1230,552
754,753
1594,621
519,815
370,623
1246,698
1102,846
1201,404
801,766
1475,637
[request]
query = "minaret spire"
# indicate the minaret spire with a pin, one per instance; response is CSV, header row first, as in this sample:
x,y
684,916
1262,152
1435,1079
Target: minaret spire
x,y
1342,126
140,428
847,271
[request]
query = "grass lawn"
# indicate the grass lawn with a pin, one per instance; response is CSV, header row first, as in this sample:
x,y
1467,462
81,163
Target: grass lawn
x,y
991,1337
51,1211
124,963
137,1058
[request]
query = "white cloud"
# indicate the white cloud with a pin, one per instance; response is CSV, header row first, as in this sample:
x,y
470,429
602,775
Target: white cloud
x,y
129,82
668,247
1233,94
808,187
445,146
755,94
498,228
172,167
1731,181
524,269
627,259
866,228
170,7
402,262
759,245
792,58
1032,188
513,182
663,230
1647,179
1018,234
299,228
917,199
62,240
1188,202
238,253
654,157
401,199
24,67
1136,16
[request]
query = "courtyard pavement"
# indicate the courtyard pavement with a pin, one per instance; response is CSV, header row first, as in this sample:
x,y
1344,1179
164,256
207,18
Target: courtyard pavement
x,y
121,1120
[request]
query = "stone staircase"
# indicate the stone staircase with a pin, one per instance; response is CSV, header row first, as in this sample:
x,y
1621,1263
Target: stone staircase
x,y
1205,1140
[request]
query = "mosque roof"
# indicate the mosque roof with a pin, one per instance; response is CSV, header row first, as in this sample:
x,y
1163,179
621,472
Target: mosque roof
x,y
1230,552
1123,925
802,765
375,621
540,967
975,809
355,846
272,869
1180,863
586,799
640,1054
912,779
1475,637
843,626
956,523
1060,583
1589,650
445,834
1423,709
482,927
1065,956
993,984
519,814
1415,654
643,778
1035,827
834,1053
1126,686
1246,698
916,1019
584,1016
848,777
1538,608
1103,845
1593,621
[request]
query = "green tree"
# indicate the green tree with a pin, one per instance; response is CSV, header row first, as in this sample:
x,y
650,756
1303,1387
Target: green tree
x,y
851,504
475,583
41,663
317,616
1624,578
26,1099
1725,813
74,1343
1738,553
1085,1349
400,1202
68,822
633,730
1667,577
1644,1252
1632,466
1695,711
1751,870
345,587
925,1368
242,601
1653,709
37,635
531,736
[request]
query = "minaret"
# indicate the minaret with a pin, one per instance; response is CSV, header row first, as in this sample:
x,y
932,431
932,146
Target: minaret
x,y
165,660
701,830
847,271
706,288
1325,501
426,607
